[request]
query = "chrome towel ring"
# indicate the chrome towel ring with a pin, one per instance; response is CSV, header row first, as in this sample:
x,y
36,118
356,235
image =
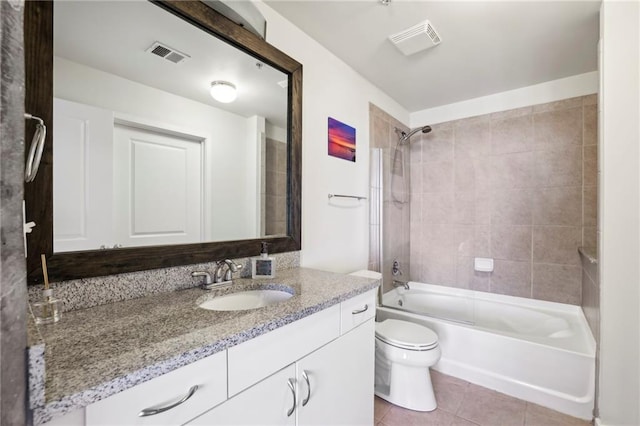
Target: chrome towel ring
x,y
36,148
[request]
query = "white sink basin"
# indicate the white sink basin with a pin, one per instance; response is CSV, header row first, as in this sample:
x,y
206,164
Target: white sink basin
x,y
243,300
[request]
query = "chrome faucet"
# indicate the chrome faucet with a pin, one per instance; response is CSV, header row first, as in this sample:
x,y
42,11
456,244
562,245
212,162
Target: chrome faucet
x,y
227,278
232,267
219,279
207,284
404,284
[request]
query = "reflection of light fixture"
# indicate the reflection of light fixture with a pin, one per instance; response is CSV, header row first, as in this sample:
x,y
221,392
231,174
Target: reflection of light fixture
x,y
223,91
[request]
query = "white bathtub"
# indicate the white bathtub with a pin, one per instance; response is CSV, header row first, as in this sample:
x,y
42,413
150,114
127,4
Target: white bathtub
x,y
538,351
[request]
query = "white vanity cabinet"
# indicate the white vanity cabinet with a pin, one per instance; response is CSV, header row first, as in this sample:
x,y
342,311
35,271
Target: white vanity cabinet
x,y
332,385
318,370
332,381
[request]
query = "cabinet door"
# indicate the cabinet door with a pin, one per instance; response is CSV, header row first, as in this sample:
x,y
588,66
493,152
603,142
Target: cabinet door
x,y
269,402
338,387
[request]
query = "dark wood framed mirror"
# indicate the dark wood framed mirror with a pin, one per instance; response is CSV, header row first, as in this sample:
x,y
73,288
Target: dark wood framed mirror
x,y
39,194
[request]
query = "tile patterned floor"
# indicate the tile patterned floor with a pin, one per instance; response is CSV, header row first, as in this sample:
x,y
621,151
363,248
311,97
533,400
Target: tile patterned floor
x,y
461,403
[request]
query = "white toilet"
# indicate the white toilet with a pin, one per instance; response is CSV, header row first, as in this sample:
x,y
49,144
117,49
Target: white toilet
x,y
404,353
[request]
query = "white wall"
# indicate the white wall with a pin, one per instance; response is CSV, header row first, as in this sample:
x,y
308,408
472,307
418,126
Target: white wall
x,y
276,133
550,91
230,140
254,180
334,236
619,214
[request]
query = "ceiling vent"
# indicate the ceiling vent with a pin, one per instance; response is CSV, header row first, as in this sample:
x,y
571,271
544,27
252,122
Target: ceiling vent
x,y
166,52
417,38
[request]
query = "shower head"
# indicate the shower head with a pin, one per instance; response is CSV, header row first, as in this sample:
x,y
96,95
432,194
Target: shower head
x,y
404,136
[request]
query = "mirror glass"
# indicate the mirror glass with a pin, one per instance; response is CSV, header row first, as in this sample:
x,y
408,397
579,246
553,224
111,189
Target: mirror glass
x,y
143,154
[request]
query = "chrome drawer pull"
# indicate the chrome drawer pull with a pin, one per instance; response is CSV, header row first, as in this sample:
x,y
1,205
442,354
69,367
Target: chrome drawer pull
x,y
293,392
306,379
359,311
153,411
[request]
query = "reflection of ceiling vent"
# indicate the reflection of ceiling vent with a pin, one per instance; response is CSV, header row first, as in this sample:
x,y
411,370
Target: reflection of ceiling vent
x,y
416,38
166,52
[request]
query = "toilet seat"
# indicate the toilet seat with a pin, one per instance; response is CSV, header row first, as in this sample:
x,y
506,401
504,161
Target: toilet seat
x,y
406,335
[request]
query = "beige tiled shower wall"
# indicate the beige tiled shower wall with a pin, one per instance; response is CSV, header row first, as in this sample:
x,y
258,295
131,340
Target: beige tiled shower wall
x,y
276,187
518,186
395,214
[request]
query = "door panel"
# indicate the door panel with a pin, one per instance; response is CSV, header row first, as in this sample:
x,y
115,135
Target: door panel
x,y
158,188
82,177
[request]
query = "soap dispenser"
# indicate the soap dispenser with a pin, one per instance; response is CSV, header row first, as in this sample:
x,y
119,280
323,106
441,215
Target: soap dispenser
x,y
263,266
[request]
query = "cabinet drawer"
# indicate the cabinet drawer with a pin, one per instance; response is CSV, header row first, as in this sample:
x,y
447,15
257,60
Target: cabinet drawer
x,y
209,374
258,358
357,310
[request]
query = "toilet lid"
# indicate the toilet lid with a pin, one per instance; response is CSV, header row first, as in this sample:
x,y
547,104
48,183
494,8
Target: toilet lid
x,y
406,335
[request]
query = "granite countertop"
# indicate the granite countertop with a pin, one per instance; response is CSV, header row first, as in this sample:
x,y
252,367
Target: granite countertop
x,y
93,353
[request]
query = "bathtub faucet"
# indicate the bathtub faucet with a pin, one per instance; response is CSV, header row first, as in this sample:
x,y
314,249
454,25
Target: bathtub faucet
x,y
404,284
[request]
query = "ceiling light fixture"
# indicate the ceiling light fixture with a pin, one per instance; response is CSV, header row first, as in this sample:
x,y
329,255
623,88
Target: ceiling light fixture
x,y
223,91
385,2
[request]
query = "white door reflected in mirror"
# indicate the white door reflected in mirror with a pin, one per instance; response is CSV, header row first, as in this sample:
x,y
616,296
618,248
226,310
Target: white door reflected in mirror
x,y
153,173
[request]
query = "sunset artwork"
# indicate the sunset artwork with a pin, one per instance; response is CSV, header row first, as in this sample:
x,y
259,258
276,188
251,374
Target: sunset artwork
x,y
342,140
